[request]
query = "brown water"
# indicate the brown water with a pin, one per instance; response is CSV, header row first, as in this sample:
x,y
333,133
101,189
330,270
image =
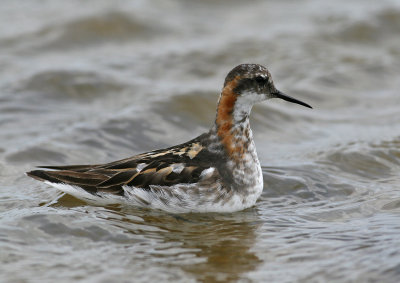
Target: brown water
x,y
96,81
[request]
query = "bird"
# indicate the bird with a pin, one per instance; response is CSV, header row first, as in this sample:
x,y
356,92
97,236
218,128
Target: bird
x,y
218,171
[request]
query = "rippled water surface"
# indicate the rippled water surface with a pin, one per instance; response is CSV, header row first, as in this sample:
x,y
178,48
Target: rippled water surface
x,y
95,81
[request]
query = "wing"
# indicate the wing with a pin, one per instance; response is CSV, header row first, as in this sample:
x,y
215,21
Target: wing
x,y
187,163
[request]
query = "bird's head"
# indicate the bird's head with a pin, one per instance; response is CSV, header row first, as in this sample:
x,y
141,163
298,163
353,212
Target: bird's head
x,y
252,83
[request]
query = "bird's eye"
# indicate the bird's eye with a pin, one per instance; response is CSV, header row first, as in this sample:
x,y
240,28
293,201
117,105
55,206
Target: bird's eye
x,y
261,80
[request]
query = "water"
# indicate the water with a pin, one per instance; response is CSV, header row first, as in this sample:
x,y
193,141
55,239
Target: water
x,y
96,81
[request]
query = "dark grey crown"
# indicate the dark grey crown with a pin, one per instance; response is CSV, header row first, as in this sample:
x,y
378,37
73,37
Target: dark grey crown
x,y
251,77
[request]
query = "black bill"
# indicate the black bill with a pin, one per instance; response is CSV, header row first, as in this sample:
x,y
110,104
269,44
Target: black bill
x,y
283,96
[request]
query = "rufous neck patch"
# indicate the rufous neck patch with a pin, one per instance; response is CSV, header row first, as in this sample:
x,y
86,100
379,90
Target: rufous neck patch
x,y
224,120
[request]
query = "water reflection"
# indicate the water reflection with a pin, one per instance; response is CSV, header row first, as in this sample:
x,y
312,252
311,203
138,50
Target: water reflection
x,y
227,247
210,247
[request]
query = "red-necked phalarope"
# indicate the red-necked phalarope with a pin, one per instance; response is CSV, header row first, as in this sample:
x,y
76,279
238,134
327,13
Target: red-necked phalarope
x,y
218,171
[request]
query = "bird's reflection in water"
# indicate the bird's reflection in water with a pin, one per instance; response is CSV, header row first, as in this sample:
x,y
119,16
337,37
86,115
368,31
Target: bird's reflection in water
x,y
207,247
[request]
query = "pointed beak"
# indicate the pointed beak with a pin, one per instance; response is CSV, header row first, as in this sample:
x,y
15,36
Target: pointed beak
x,y
283,96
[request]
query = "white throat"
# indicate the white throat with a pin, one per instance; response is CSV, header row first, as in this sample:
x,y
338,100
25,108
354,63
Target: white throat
x,y
243,106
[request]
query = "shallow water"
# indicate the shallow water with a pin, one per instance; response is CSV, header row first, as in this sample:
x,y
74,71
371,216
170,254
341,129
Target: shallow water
x,y
98,81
